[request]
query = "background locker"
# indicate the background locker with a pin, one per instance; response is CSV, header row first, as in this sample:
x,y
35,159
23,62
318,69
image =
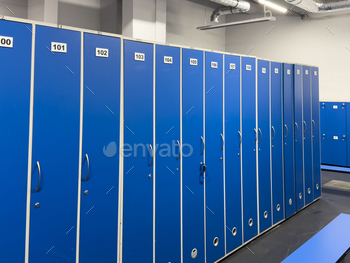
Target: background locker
x,y
249,143
138,163
347,105
277,143
288,135
100,180
192,170
264,153
233,152
55,160
307,133
214,144
14,116
167,191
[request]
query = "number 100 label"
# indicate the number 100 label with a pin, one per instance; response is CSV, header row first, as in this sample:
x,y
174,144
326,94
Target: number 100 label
x,y
102,52
6,42
59,47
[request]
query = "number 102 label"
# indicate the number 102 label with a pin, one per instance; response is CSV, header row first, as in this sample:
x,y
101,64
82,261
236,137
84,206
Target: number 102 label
x,y
102,52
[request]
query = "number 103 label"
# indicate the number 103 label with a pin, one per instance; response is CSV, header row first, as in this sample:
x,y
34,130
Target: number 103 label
x,y
59,47
102,52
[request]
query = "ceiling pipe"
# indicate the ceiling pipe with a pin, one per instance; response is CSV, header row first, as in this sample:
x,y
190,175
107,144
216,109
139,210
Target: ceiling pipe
x,y
318,6
234,6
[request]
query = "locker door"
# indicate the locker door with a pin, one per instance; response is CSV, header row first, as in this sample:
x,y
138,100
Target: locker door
x,y
336,144
53,209
288,135
138,164
192,175
100,180
335,117
168,227
347,105
298,138
277,143
249,140
316,140
14,116
214,183
233,152
307,133
324,153
265,215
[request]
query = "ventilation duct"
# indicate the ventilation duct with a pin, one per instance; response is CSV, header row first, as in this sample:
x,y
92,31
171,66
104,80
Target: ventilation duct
x,y
318,6
234,6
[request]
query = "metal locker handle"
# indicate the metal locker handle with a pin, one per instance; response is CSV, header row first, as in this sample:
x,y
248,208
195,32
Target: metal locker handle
x,y
37,188
256,137
88,163
150,146
203,145
178,143
285,125
223,141
314,125
240,136
305,126
296,124
260,135
274,133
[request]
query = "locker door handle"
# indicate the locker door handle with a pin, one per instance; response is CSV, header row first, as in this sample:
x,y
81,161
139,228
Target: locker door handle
x,y
39,170
274,133
88,164
296,124
314,125
150,146
260,135
256,136
223,141
202,139
305,126
285,125
178,143
240,136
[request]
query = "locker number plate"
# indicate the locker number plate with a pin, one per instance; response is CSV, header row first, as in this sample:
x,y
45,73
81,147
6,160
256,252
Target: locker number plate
x,y
288,71
298,71
306,72
214,64
248,67
232,66
193,62
264,70
276,70
6,42
335,137
315,73
168,60
335,107
59,47
102,52
140,56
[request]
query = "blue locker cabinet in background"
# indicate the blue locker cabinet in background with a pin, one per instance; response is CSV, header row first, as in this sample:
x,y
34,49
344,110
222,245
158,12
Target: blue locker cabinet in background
x,y
233,141
99,183
264,153
14,133
138,164
214,145
55,162
277,143
288,137
192,164
347,106
167,176
249,147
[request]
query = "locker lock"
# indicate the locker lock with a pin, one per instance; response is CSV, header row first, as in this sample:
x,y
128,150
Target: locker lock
x,y
290,201
234,231
278,208
309,191
86,192
265,214
300,196
216,242
37,205
204,167
220,158
194,253
317,186
150,176
250,222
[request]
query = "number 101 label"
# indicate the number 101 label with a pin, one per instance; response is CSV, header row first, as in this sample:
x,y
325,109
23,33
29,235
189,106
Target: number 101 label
x,y
59,47
102,52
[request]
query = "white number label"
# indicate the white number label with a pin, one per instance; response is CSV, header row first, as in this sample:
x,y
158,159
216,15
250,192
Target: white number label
x,y
276,70
58,47
214,64
140,56
335,107
6,42
288,71
306,72
263,70
168,60
102,52
193,62
298,71
315,73
248,67
335,137
232,66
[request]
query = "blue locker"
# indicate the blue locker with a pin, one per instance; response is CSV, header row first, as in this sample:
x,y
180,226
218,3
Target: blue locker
x,y
335,121
100,180
233,152
336,146
316,140
265,213
347,105
14,116
249,143
288,137
324,154
192,170
298,137
53,209
214,144
307,133
138,164
277,143
168,226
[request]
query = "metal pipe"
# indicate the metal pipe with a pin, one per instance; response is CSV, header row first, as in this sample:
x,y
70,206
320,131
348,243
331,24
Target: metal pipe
x,y
234,6
317,6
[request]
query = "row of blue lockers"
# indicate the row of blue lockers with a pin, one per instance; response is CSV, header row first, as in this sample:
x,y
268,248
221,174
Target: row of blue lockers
x,y
335,130
217,148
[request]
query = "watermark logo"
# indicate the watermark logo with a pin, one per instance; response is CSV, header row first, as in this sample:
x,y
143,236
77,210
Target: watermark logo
x,y
110,150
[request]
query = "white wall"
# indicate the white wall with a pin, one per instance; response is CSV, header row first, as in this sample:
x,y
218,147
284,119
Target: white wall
x,y
18,7
297,41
